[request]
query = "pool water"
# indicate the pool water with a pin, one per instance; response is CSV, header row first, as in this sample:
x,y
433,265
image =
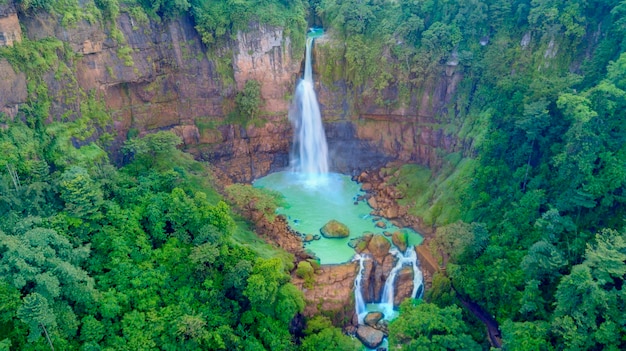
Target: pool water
x,y
313,200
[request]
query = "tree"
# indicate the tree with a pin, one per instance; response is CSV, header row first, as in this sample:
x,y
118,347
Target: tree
x,y
83,196
424,326
460,241
249,99
321,334
155,150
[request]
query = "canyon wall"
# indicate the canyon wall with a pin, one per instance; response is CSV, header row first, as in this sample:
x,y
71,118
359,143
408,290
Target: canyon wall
x,y
160,76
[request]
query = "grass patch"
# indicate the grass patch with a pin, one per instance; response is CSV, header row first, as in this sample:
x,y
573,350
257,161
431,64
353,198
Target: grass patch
x,y
244,236
435,197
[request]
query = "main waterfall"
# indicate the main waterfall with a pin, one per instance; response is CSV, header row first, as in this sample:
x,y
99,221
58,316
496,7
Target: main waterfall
x,y
310,151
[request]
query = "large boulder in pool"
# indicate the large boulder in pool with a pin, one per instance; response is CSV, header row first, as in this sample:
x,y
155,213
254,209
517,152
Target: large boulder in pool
x,y
335,229
372,318
370,337
379,247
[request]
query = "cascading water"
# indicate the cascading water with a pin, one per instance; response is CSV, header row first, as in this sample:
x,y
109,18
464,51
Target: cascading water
x,y
409,258
359,303
310,151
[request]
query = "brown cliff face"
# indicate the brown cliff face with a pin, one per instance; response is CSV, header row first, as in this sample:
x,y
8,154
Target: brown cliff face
x,y
407,131
160,76
169,80
333,290
12,84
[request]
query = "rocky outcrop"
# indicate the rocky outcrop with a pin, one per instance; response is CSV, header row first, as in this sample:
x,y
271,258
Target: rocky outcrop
x,y
160,76
408,131
12,84
12,89
335,229
370,337
332,291
403,285
383,198
10,30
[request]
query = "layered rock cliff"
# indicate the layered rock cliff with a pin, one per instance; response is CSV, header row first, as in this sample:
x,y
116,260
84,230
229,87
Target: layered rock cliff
x,y
160,76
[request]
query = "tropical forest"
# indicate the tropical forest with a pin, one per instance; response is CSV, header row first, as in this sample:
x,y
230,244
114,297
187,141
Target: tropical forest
x,y
312,175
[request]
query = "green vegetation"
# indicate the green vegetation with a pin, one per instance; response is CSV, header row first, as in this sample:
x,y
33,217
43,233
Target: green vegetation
x,y
529,212
141,257
427,327
539,190
266,201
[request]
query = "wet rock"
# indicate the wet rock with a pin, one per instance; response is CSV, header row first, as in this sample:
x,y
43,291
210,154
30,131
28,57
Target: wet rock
x,y
392,211
332,290
404,285
379,247
372,202
387,234
400,240
335,229
373,318
308,238
367,283
370,337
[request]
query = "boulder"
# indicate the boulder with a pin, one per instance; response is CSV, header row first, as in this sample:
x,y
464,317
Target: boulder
x,y
400,240
372,202
335,229
379,247
372,318
381,224
370,337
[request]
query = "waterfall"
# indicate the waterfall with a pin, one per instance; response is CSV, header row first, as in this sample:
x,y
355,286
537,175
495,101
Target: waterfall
x,y
310,151
359,303
408,258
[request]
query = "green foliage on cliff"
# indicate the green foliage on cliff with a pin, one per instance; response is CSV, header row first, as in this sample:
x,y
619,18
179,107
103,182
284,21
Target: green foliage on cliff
x,y
540,112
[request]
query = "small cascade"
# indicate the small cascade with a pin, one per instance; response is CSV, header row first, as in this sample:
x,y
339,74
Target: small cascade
x,y
310,150
359,303
409,258
418,277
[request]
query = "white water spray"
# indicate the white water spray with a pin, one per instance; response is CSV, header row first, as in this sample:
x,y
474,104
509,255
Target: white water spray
x,y
310,152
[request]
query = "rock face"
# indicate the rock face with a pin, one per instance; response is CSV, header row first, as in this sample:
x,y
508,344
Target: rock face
x,y
166,81
332,291
12,89
335,229
409,132
370,337
12,84
403,285
10,30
